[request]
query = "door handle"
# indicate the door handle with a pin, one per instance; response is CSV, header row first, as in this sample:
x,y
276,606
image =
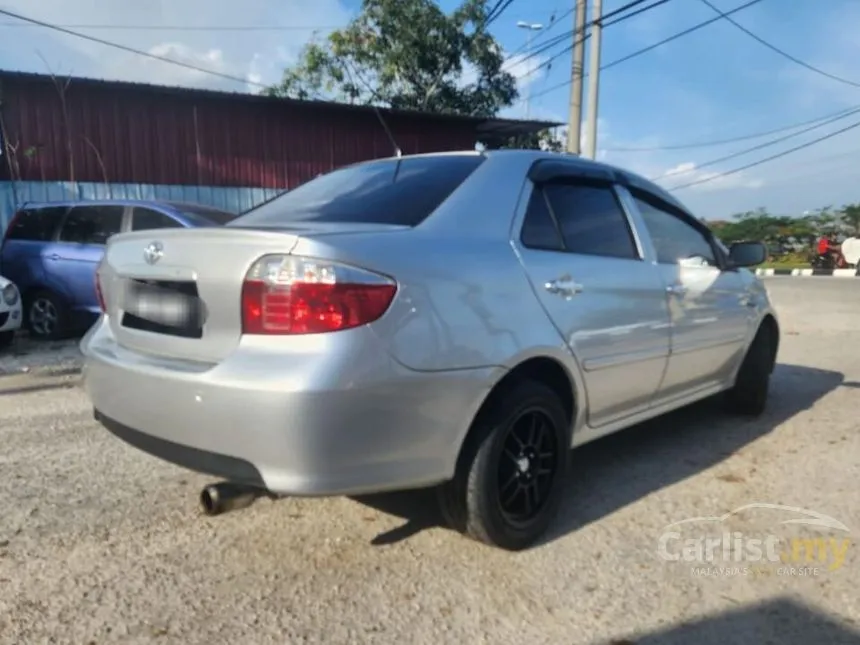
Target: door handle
x,y
54,256
564,287
676,290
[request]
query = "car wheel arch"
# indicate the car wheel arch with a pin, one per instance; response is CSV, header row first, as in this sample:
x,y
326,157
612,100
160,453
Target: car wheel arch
x,y
542,368
769,322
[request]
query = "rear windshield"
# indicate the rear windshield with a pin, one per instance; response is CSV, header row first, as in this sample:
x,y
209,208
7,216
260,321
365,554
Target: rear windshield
x,y
389,191
202,216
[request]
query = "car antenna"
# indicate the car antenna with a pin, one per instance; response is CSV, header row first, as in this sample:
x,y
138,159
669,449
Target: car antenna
x,y
373,95
397,151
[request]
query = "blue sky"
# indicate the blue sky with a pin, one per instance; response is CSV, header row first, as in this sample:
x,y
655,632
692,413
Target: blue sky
x,y
713,84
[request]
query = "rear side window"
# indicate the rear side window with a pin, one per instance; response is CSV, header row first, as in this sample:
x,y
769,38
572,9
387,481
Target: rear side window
x,y
36,224
388,191
144,219
588,218
91,224
540,230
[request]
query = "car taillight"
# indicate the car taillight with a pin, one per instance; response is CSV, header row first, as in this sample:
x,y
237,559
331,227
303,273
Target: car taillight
x,y
12,223
285,294
99,295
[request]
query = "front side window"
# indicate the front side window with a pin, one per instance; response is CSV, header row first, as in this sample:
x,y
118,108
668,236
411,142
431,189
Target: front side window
x,y
388,191
36,224
91,224
675,240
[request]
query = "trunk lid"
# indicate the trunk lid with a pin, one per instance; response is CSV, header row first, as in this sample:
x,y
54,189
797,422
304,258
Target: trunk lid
x,y
198,270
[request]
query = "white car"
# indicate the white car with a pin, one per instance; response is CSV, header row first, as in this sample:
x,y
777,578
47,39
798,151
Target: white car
x,y
10,311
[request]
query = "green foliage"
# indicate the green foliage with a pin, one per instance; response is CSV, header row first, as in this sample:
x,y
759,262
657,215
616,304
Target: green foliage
x,y
407,54
787,233
851,217
543,140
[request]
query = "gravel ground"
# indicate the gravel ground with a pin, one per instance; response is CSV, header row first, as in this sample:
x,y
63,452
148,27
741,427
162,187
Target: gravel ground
x,y
27,355
102,544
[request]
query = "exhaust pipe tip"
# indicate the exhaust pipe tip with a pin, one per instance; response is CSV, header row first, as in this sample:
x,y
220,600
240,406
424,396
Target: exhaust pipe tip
x,y
216,499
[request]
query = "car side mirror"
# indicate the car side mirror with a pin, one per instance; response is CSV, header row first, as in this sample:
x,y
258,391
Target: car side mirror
x,y
747,254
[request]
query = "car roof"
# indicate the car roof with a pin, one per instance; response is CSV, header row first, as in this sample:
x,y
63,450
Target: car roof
x,y
633,179
157,203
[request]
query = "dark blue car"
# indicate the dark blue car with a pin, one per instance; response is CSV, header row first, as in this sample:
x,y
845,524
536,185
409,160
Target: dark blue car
x,y
51,252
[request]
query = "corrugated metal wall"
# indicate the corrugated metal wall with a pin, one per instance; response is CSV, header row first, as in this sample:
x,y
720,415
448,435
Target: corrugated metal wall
x,y
124,133
229,198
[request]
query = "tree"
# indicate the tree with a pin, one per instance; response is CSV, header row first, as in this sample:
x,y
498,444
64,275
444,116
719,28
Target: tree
x,y
543,140
407,54
851,217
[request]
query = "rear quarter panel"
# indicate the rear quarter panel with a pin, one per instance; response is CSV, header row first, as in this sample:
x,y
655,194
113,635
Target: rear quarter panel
x,y
462,302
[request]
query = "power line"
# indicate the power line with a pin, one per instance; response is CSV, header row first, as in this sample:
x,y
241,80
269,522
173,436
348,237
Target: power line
x,y
653,5
570,34
745,137
767,159
495,13
761,146
781,52
806,170
179,27
132,50
585,36
645,50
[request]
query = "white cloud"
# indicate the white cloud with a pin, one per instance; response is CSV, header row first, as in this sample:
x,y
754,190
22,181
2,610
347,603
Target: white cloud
x,y
527,70
688,173
151,70
256,56
824,173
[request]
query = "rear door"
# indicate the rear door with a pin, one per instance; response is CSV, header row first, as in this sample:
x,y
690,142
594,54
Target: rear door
x,y
709,314
608,304
80,247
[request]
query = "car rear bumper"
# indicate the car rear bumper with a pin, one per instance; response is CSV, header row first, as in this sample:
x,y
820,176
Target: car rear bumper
x,y
376,426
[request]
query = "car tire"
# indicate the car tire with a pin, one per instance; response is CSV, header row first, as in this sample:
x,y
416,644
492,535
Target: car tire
x,y
46,316
6,339
516,454
748,397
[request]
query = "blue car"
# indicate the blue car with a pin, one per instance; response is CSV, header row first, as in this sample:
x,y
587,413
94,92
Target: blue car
x,y
51,251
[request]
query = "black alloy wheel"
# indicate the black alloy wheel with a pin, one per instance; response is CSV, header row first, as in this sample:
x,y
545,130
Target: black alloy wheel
x,y
512,469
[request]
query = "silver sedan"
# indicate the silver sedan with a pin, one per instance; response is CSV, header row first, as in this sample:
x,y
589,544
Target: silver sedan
x,y
454,320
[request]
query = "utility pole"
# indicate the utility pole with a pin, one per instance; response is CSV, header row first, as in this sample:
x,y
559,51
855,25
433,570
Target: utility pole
x,y
532,27
594,79
574,126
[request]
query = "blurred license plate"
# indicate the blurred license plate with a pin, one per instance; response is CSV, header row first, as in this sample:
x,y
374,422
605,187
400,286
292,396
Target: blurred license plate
x,y
162,306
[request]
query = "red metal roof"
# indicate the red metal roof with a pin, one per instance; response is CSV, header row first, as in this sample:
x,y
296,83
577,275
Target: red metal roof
x,y
117,132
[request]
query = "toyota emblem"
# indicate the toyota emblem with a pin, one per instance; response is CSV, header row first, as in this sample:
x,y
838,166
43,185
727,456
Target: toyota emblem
x,y
153,252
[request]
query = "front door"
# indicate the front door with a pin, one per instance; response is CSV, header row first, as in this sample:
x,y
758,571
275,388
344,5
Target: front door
x,y
608,305
710,319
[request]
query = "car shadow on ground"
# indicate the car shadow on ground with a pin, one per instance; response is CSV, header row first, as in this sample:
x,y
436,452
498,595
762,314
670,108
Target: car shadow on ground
x,y
617,470
781,620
